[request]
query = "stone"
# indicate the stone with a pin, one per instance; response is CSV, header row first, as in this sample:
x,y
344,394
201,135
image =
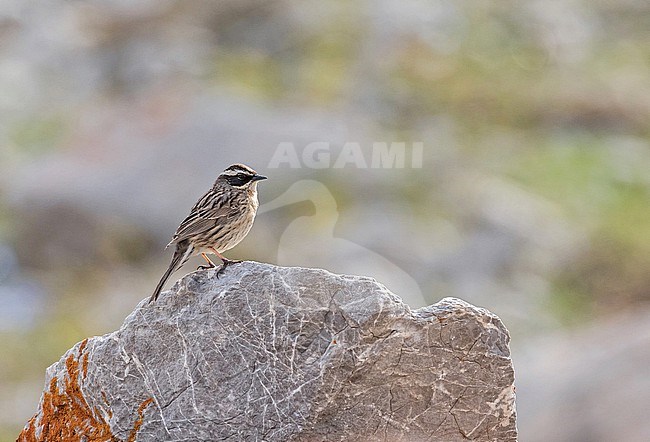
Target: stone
x,y
267,353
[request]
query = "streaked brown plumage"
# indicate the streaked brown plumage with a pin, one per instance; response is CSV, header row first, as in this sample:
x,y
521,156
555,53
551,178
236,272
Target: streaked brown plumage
x,y
218,221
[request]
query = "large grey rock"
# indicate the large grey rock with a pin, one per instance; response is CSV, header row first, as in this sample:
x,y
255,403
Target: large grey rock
x,y
266,353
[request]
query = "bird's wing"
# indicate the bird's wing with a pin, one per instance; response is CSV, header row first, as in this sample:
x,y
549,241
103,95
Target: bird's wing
x,y
205,214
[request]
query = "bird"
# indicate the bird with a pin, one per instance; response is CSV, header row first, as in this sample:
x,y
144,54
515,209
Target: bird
x,y
219,220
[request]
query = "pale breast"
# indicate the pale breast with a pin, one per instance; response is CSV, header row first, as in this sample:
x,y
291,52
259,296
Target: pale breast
x,y
240,225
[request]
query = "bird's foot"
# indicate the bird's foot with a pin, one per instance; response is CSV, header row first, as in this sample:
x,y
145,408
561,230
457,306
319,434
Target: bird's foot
x,y
206,267
210,265
226,263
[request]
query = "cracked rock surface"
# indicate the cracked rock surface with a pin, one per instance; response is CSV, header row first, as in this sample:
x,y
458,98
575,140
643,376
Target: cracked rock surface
x,y
267,353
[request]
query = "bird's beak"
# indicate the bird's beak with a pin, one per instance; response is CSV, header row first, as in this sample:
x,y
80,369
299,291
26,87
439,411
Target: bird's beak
x,y
258,177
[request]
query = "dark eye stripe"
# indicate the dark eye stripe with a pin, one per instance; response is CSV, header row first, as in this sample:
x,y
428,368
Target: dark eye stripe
x,y
238,180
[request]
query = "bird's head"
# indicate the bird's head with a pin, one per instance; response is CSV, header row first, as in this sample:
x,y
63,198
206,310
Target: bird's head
x,y
240,176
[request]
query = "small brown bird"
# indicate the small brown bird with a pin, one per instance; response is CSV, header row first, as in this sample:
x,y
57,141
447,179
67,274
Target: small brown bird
x,y
218,221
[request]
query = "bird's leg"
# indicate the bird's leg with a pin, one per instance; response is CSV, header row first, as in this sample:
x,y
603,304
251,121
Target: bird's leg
x,y
210,265
225,261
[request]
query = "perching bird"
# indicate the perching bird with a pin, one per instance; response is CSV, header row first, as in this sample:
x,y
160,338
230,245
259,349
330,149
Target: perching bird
x,y
218,221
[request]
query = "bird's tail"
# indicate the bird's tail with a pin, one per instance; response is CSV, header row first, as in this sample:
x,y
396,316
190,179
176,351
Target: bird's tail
x,y
182,253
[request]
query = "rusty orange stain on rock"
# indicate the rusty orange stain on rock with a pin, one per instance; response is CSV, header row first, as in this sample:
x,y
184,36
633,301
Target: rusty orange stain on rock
x,y
109,411
138,421
66,416
85,365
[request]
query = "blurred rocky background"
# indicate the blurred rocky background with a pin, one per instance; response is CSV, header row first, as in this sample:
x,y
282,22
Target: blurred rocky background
x,y
533,199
